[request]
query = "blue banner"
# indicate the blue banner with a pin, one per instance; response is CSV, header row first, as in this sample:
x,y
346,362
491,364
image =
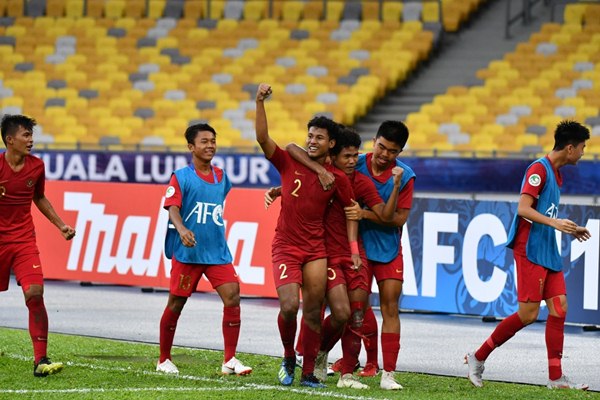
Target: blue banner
x,y
455,260
446,175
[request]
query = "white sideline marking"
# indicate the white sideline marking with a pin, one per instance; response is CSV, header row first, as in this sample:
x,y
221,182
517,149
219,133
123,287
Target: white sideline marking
x,y
240,386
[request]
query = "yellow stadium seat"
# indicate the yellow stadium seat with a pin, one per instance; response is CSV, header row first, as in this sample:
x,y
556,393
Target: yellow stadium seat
x,y
114,8
156,8
55,8
313,10
255,10
194,9
431,11
15,8
392,11
334,10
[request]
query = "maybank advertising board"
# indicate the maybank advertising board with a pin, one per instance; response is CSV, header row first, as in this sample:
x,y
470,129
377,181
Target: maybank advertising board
x,y
454,255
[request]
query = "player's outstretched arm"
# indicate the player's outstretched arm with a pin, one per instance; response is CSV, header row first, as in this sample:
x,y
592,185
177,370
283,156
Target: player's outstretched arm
x,y
267,144
45,207
299,154
525,209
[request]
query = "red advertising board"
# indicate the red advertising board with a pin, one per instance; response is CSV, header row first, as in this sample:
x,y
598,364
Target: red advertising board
x,y
121,229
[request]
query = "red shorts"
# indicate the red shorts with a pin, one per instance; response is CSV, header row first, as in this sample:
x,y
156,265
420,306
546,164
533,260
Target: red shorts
x,y
289,260
391,270
185,277
536,283
339,271
24,259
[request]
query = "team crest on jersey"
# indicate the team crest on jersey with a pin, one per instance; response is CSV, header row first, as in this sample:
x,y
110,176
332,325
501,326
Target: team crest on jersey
x,y
535,180
170,192
29,183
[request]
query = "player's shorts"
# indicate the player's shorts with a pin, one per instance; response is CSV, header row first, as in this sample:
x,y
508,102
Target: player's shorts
x,y
24,259
536,283
185,277
391,270
339,271
288,262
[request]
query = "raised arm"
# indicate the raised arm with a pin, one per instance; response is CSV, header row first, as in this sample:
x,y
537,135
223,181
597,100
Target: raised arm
x,y
299,154
267,144
45,207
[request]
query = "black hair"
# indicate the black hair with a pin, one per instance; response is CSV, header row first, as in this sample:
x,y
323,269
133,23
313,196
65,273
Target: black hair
x,y
328,124
347,137
569,132
192,131
11,124
394,131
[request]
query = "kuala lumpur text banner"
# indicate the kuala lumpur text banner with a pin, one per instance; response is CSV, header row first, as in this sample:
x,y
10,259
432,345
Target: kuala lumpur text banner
x,y
454,255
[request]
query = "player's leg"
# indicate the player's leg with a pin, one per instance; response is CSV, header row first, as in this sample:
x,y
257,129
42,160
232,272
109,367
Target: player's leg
x,y
28,272
184,280
556,301
389,293
529,295
351,339
333,324
370,331
314,276
224,280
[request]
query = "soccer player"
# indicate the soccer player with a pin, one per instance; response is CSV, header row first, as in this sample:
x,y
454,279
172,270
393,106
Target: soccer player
x,y
539,265
382,239
196,244
298,248
347,286
22,180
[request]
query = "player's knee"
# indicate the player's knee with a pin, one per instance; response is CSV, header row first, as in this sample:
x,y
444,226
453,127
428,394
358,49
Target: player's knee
x,y
31,291
560,306
289,309
341,314
356,319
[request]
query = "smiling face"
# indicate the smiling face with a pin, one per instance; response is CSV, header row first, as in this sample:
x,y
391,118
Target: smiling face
x,y
318,143
384,153
204,146
21,142
346,160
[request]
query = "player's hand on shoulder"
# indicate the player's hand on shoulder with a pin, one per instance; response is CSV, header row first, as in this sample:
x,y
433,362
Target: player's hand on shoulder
x,y
67,232
264,91
327,179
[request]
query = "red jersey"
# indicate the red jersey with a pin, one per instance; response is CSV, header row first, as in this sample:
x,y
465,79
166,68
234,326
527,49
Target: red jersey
x,y
19,188
304,201
175,198
336,236
532,187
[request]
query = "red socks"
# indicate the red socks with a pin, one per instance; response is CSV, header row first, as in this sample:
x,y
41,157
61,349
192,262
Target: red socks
x,y
369,331
330,335
287,332
231,331
504,331
311,342
38,326
390,347
168,324
555,336
351,339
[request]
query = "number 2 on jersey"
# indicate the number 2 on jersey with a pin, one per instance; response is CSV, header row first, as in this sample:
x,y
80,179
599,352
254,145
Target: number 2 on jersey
x,y
298,183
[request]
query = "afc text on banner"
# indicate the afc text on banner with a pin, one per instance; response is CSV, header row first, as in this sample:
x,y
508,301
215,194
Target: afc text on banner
x,y
454,254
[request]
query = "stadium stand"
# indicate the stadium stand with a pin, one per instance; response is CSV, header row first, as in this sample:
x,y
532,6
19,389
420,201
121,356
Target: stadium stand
x,y
553,76
116,72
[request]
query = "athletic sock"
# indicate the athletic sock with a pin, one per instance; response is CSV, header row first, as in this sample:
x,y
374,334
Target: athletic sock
x,y
299,340
390,347
369,331
555,336
330,335
287,332
351,339
504,331
311,341
38,326
168,324
231,331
